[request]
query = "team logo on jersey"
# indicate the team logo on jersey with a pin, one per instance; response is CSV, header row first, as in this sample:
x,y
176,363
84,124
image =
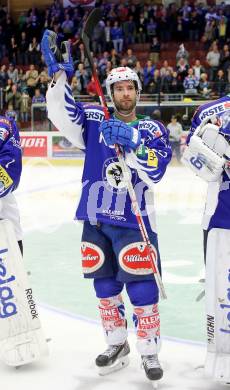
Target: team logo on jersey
x,y
92,257
113,176
135,259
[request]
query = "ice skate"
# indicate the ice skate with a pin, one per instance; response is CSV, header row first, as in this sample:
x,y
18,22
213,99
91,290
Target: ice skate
x,y
152,368
113,359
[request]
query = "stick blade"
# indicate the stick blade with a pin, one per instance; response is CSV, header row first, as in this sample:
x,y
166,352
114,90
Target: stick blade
x,y
92,20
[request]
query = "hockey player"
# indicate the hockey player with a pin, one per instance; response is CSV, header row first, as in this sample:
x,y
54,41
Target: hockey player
x,y
10,172
208,155
113,252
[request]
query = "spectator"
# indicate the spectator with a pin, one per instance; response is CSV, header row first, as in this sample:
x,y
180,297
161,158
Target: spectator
x,y
13,97
213,59
23,49
21,80
102,63
140,71
204,87
222,30
13,51
210,31
131,59
67,26
182,71
12,73
151,28
42,84
155,50
117,37
39,112
225,60
129,28
190,83
114,58
220,83
148,76
194,26
155,85
3,76
98,40
179,29
165,69
198,69
83,78
31,79
141,29
182,53
175,133
25,106
108,40
173,88
74,86
34,51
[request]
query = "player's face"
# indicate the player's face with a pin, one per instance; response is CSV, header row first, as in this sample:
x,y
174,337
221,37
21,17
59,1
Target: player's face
x,y
124,96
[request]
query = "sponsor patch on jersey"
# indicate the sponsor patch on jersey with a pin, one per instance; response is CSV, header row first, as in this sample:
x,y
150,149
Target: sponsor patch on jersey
x,y
92,257
94,114
152,159
214,110
151,126
135,259
3,133
5,179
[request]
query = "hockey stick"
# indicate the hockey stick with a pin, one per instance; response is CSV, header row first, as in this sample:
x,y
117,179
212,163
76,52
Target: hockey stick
x,y
87,32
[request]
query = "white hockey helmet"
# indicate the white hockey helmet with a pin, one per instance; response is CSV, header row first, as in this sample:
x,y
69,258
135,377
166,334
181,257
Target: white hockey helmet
x,y
122,73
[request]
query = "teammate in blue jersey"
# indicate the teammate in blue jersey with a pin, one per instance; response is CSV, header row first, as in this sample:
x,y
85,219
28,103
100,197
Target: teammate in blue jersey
x,y
208,155
10,172
113,252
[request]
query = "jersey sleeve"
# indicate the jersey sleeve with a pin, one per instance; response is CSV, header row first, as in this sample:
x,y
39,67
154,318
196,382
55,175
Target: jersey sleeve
x,y
10,156
154,153
66,115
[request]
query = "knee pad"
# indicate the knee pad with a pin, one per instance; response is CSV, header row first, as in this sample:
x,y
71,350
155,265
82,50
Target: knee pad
x,y
142,293
107,287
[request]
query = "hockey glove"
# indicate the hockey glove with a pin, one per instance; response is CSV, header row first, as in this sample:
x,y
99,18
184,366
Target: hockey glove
x,y
55,58
118,132
207,152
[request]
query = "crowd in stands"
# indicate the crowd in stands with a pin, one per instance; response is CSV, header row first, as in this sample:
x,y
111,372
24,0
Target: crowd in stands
x,y
24,78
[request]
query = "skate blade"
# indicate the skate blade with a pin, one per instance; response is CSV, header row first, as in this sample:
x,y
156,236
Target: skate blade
x,y
116,366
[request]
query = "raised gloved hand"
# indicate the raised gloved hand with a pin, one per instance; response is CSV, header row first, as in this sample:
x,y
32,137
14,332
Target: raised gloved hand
x,y
118,132
55,58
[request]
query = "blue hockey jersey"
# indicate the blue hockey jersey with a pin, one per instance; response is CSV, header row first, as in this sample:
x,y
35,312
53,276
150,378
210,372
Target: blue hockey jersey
x,y
104,192
217,211
10,156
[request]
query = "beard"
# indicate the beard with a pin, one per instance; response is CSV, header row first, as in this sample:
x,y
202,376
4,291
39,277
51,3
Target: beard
x,y
125,107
